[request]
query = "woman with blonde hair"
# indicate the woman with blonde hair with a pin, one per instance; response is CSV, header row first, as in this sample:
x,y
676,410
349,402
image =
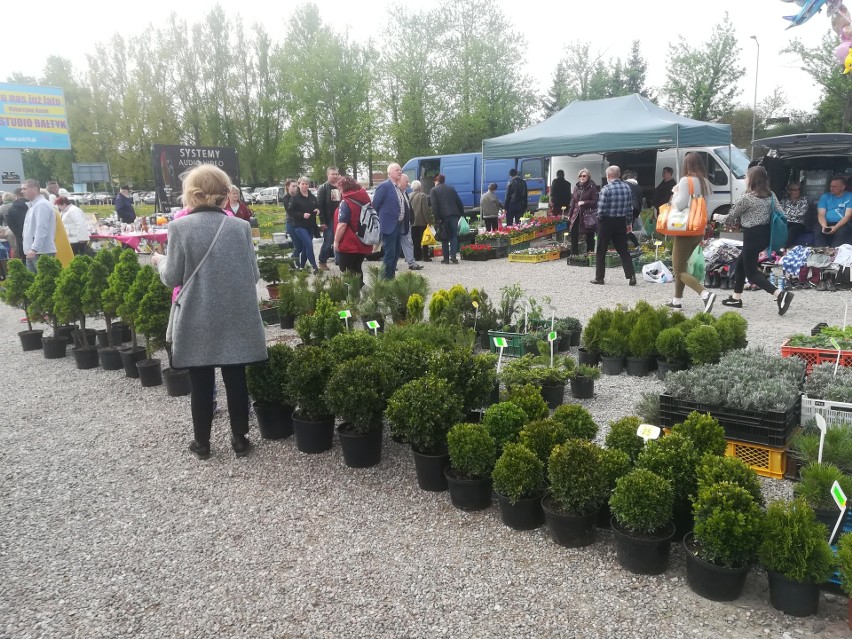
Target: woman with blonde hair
x,y
211,257
692,175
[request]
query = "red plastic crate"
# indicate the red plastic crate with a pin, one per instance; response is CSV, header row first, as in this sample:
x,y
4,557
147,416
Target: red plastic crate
x,y
814,356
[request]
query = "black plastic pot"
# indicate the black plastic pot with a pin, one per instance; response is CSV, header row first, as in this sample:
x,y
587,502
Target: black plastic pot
x,y
103,338
31,340
150,372
269,315
126,333
313,437
110,359
91,336
430,470
716,583
360,450
643,556
66,331
582,387
612,365
564,343
287,321
792,597
683,520
85,357
275,421
177,382
664,368
587,357
570,531
524,514
553,395
605,516
639,366
575,338
54,347
129,357
468,494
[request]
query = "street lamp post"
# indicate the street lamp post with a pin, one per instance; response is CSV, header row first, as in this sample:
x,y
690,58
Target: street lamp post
x,y
754,105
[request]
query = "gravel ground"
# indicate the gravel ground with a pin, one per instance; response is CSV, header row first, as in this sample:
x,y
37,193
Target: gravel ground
x,y
110,528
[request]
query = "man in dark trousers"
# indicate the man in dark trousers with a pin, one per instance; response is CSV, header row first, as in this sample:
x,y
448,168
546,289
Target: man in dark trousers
x,y
516,198
447,208
15,221
394,212
615,219
663,192
328,196
560,194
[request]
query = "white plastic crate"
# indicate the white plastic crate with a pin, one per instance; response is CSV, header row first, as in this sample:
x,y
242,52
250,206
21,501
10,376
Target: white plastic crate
x,y
835,413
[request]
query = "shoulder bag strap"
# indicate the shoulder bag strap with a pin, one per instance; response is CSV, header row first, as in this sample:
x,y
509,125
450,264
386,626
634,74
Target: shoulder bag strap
x,y
203,259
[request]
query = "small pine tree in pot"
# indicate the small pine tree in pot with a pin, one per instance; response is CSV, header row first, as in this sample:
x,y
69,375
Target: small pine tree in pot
x,y
15,293
641,344
671,345
613,348
152,320
519,483
472,453
128,310
267,384
40,296
307,376
68,306
583,381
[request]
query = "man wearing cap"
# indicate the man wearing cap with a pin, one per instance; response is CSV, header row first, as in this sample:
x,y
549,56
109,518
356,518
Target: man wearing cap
x,y
124,206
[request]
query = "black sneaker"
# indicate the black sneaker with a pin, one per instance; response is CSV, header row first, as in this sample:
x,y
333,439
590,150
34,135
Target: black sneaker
x,y
708,302
454,260
202,451
784,301
730,301
673,305
241,445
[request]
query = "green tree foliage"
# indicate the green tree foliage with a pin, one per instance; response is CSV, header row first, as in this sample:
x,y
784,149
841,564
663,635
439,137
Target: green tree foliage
x,y
69,294
119,281
18,282
40,293
129,307
152,318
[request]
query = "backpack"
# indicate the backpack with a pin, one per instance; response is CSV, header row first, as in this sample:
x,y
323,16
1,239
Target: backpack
x,y
368,224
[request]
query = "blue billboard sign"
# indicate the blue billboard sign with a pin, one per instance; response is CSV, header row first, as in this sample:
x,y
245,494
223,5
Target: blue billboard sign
x,y
33,117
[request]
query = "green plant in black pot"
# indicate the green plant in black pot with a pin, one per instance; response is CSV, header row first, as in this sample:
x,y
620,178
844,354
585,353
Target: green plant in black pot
x,y
322,325
407,360
152,318
267,381
270,259
118,282
510,297
585,372
307,376
614,465
398,290
414,308
576,420
423,410
642,502
728,525
671,345
472,451
518,473
643,335
40,292
613,343
577,481
346,346
356,393
18,282
704,345
673,457
541,436
129,308
622,436
704,431
713,470
504,421
837,447
97,283
569,330
528,398
472,376
68,296
595,329
844,562
816,482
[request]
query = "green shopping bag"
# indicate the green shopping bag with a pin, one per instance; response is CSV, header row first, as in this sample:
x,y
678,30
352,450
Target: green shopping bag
x,y
464,227
695,266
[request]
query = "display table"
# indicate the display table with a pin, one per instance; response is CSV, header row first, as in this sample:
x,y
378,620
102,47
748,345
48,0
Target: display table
x,y
133,239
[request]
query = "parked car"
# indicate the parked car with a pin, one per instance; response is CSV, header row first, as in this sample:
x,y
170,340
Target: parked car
x,y
99,198
78,198
150,198
271,195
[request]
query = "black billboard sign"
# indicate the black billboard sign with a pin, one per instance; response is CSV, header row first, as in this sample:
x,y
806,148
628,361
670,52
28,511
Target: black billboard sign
x,y
172,161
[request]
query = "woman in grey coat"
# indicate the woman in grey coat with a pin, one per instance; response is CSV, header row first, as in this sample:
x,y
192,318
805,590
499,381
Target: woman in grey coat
x,y
219,322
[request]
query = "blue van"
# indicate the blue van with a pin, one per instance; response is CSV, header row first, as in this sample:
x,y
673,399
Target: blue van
x,y
464,172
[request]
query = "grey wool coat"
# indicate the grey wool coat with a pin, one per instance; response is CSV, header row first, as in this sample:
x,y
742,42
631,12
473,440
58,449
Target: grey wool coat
x,y
219,322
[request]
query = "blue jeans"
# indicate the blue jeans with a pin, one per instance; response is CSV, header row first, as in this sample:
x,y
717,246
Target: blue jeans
x,y
450,246
307,243
327,249
843,235
298,249
31,263
391,245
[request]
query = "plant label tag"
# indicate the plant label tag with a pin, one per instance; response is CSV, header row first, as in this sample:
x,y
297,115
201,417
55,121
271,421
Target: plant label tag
x,y
839,497
344,314
372,325
551,336
834,343
658,243
475,304
648,431
500,342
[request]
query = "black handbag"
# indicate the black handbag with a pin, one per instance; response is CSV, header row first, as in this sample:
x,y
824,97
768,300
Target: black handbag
x,y
441,232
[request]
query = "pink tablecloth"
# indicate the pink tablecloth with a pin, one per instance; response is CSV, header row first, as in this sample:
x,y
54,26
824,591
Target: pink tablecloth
x,y
132,239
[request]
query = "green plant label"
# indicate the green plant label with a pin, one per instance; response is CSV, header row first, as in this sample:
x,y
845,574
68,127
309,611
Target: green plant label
x,y
344,314
648,431
500,342
372,325
551,336
839,497
834,343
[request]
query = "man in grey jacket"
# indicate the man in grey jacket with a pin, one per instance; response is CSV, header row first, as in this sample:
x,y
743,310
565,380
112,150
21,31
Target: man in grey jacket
x,y
489,207
39,236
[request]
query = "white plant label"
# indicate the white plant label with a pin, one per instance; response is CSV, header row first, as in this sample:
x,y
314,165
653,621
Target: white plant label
x,y
648,431
838,495
823,428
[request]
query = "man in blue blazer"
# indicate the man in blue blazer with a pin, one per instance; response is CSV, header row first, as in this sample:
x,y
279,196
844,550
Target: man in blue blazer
x,y
391,205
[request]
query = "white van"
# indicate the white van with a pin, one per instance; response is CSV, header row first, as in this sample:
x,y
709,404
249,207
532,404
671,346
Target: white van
x,y
726,170
271,195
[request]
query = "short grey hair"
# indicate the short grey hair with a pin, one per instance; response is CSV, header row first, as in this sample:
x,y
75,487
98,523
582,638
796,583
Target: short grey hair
x,y
31,183
8,197
304,179
416,185
613,172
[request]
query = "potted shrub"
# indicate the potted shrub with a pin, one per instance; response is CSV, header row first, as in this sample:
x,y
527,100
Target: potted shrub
x,y
128,309
541,436
398,290
614,464
472,453
723,544
152,320
671,346
267,384
732,329
612,348
706,434
576,421
504,422
40,295
96,284
642,505
797,558
577,490
583,381
15,293
294,297
270,259
641,342
815,488
622,436
323,324
356,394
529,399
519,483
307,377
422,411
844,567
713,470
119,282
597,325
473,376
537,371
374,298
703,345
569,330
69,310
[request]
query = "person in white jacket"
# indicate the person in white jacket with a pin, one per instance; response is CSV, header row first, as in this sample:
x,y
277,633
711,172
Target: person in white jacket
x,y
75,223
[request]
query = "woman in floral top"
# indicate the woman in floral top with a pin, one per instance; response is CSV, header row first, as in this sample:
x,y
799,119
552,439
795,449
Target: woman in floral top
x,y
795,209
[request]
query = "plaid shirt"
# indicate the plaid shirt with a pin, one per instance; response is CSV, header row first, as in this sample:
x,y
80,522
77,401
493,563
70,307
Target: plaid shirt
x,y
616,200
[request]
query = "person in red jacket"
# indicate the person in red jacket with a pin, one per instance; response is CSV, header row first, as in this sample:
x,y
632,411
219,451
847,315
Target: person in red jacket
x,y
347,217
235,205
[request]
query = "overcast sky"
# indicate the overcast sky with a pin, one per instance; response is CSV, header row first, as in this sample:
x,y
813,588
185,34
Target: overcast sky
x,y
71,30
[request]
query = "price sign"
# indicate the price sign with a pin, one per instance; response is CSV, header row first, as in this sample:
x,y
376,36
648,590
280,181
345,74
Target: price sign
x,y
475,304
838,495
648,431
373,325
658,243
344,314
551,336
500,342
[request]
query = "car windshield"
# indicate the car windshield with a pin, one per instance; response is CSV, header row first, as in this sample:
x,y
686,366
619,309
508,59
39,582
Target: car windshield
x,y
737,161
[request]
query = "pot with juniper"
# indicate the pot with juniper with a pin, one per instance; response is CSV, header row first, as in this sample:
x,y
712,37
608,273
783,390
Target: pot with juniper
x,y
815,488
307,376
128,309
797,558
472,453
569,330
641,344
18,282
69,309
519,483
267,384
40,296
270,259
642,507
577,490
583,381
119,281
613,348
724,541
422,412
671,347
356,394
597,325
152,320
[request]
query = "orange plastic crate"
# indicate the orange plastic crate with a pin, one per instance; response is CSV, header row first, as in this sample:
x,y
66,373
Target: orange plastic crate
x,y
814,356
